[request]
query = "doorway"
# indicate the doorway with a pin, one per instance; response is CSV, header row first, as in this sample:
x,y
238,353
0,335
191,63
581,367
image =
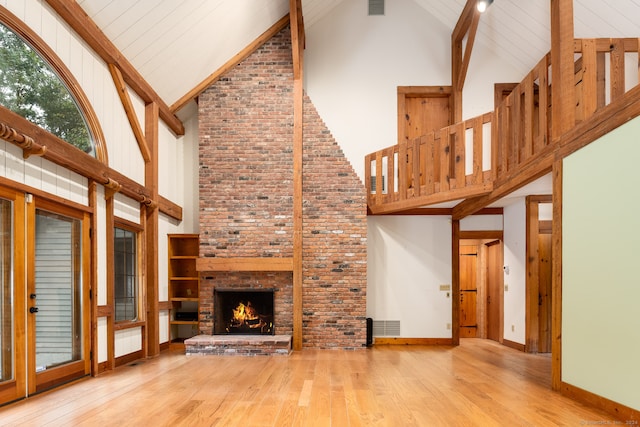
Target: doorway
x,y
44,305
481,297
539,273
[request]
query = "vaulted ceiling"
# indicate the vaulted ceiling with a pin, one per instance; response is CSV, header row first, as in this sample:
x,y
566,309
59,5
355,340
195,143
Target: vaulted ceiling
x,y
177,44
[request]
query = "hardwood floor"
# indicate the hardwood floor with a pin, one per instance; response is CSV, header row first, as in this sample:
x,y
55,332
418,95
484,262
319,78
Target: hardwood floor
x,y
479,383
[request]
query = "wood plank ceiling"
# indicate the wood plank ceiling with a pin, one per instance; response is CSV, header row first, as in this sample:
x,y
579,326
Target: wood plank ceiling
x,y
177,44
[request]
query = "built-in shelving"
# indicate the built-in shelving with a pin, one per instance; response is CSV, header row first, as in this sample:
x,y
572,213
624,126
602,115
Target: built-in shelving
x,y
184,287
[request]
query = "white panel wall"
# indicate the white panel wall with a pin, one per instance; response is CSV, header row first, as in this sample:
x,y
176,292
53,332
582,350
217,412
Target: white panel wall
x,y
126,208
515,252
481,223
42,174
409,257
600,286
101,235
128,341
103,355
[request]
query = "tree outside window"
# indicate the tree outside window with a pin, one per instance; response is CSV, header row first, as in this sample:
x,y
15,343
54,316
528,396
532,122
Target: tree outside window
x,y
29,87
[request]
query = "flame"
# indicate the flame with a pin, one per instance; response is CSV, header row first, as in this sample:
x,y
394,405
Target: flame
x,y
243,312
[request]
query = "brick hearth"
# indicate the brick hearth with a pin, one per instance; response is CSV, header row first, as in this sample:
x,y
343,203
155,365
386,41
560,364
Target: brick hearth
x,y
238,345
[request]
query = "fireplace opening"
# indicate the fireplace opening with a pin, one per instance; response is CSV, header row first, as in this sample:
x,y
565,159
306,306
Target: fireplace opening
x,y
243,311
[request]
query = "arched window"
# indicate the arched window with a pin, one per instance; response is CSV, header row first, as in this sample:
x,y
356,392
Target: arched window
x,y
35,85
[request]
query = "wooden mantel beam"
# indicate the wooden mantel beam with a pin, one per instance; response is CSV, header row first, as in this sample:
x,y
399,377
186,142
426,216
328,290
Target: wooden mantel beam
x,y
82,24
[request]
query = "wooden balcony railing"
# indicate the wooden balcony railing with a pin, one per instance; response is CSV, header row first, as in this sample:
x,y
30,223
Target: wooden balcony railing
x,y
470,158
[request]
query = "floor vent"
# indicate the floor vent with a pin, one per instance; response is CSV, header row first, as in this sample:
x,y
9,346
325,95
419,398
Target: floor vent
x,y
376,7
386,328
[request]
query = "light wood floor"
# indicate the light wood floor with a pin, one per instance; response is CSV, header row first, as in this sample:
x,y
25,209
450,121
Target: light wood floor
x,y
479,383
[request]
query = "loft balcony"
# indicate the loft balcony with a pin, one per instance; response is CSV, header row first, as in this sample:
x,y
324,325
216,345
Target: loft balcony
x,y
478,160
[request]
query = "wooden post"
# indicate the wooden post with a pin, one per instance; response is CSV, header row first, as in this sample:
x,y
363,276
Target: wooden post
x,y
455,282
152,117
562,68
556,280
297,46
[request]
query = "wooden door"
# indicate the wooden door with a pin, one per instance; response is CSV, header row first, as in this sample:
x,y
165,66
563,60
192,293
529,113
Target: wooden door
x,y
544,300
421,110
424,115
494,290
468,291
58,321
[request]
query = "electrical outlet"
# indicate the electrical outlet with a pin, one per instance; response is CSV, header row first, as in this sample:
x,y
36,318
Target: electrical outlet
x,y
448,325
513,328
506,287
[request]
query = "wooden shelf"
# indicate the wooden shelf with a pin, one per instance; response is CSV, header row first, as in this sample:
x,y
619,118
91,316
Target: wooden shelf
x,y
184,322
184,286
244,264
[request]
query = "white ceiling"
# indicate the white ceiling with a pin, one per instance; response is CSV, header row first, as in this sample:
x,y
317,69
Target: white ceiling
x,y
177,44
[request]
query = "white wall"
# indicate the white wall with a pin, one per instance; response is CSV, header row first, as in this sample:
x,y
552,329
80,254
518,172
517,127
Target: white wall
x,y
600,285
515,252
408,258
354,64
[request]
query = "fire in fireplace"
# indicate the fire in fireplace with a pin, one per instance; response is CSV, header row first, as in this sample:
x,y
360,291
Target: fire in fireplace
x,y
243,311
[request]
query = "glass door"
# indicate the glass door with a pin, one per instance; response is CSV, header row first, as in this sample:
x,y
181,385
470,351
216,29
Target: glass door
x,y
12,281
57,300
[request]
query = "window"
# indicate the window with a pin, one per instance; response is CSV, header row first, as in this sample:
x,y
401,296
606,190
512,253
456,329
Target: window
x,y
29,87
126,274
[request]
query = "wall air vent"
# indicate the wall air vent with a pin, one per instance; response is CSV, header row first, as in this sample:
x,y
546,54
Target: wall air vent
x,y
386,328
376,7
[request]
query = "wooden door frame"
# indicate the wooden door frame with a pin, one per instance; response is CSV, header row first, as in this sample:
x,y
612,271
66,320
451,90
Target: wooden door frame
x,y
15,388
458,235
38,382
532,274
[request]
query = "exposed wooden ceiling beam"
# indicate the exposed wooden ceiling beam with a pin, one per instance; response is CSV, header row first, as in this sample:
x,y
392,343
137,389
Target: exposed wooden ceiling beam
x,y
467,25
82,24
237,58
297,37
121,87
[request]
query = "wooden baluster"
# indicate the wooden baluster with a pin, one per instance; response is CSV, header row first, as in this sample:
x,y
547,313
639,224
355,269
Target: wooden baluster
x,y
417,157
459,164
445,156
391,175
402,170
616,69
478,143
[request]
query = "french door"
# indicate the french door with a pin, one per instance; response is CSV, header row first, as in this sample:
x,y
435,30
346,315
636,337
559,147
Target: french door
x,y
45,330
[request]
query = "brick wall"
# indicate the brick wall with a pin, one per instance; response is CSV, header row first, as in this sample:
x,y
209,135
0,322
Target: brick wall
x,y
246,200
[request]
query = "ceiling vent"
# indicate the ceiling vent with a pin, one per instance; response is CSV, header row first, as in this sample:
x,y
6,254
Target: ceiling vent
x,y
376,7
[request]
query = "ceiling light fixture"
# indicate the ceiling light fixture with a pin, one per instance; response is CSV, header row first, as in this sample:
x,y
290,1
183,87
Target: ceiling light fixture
x,y
482,5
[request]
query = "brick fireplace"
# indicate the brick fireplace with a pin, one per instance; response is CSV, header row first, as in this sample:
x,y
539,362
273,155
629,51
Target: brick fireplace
x,y
246,202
